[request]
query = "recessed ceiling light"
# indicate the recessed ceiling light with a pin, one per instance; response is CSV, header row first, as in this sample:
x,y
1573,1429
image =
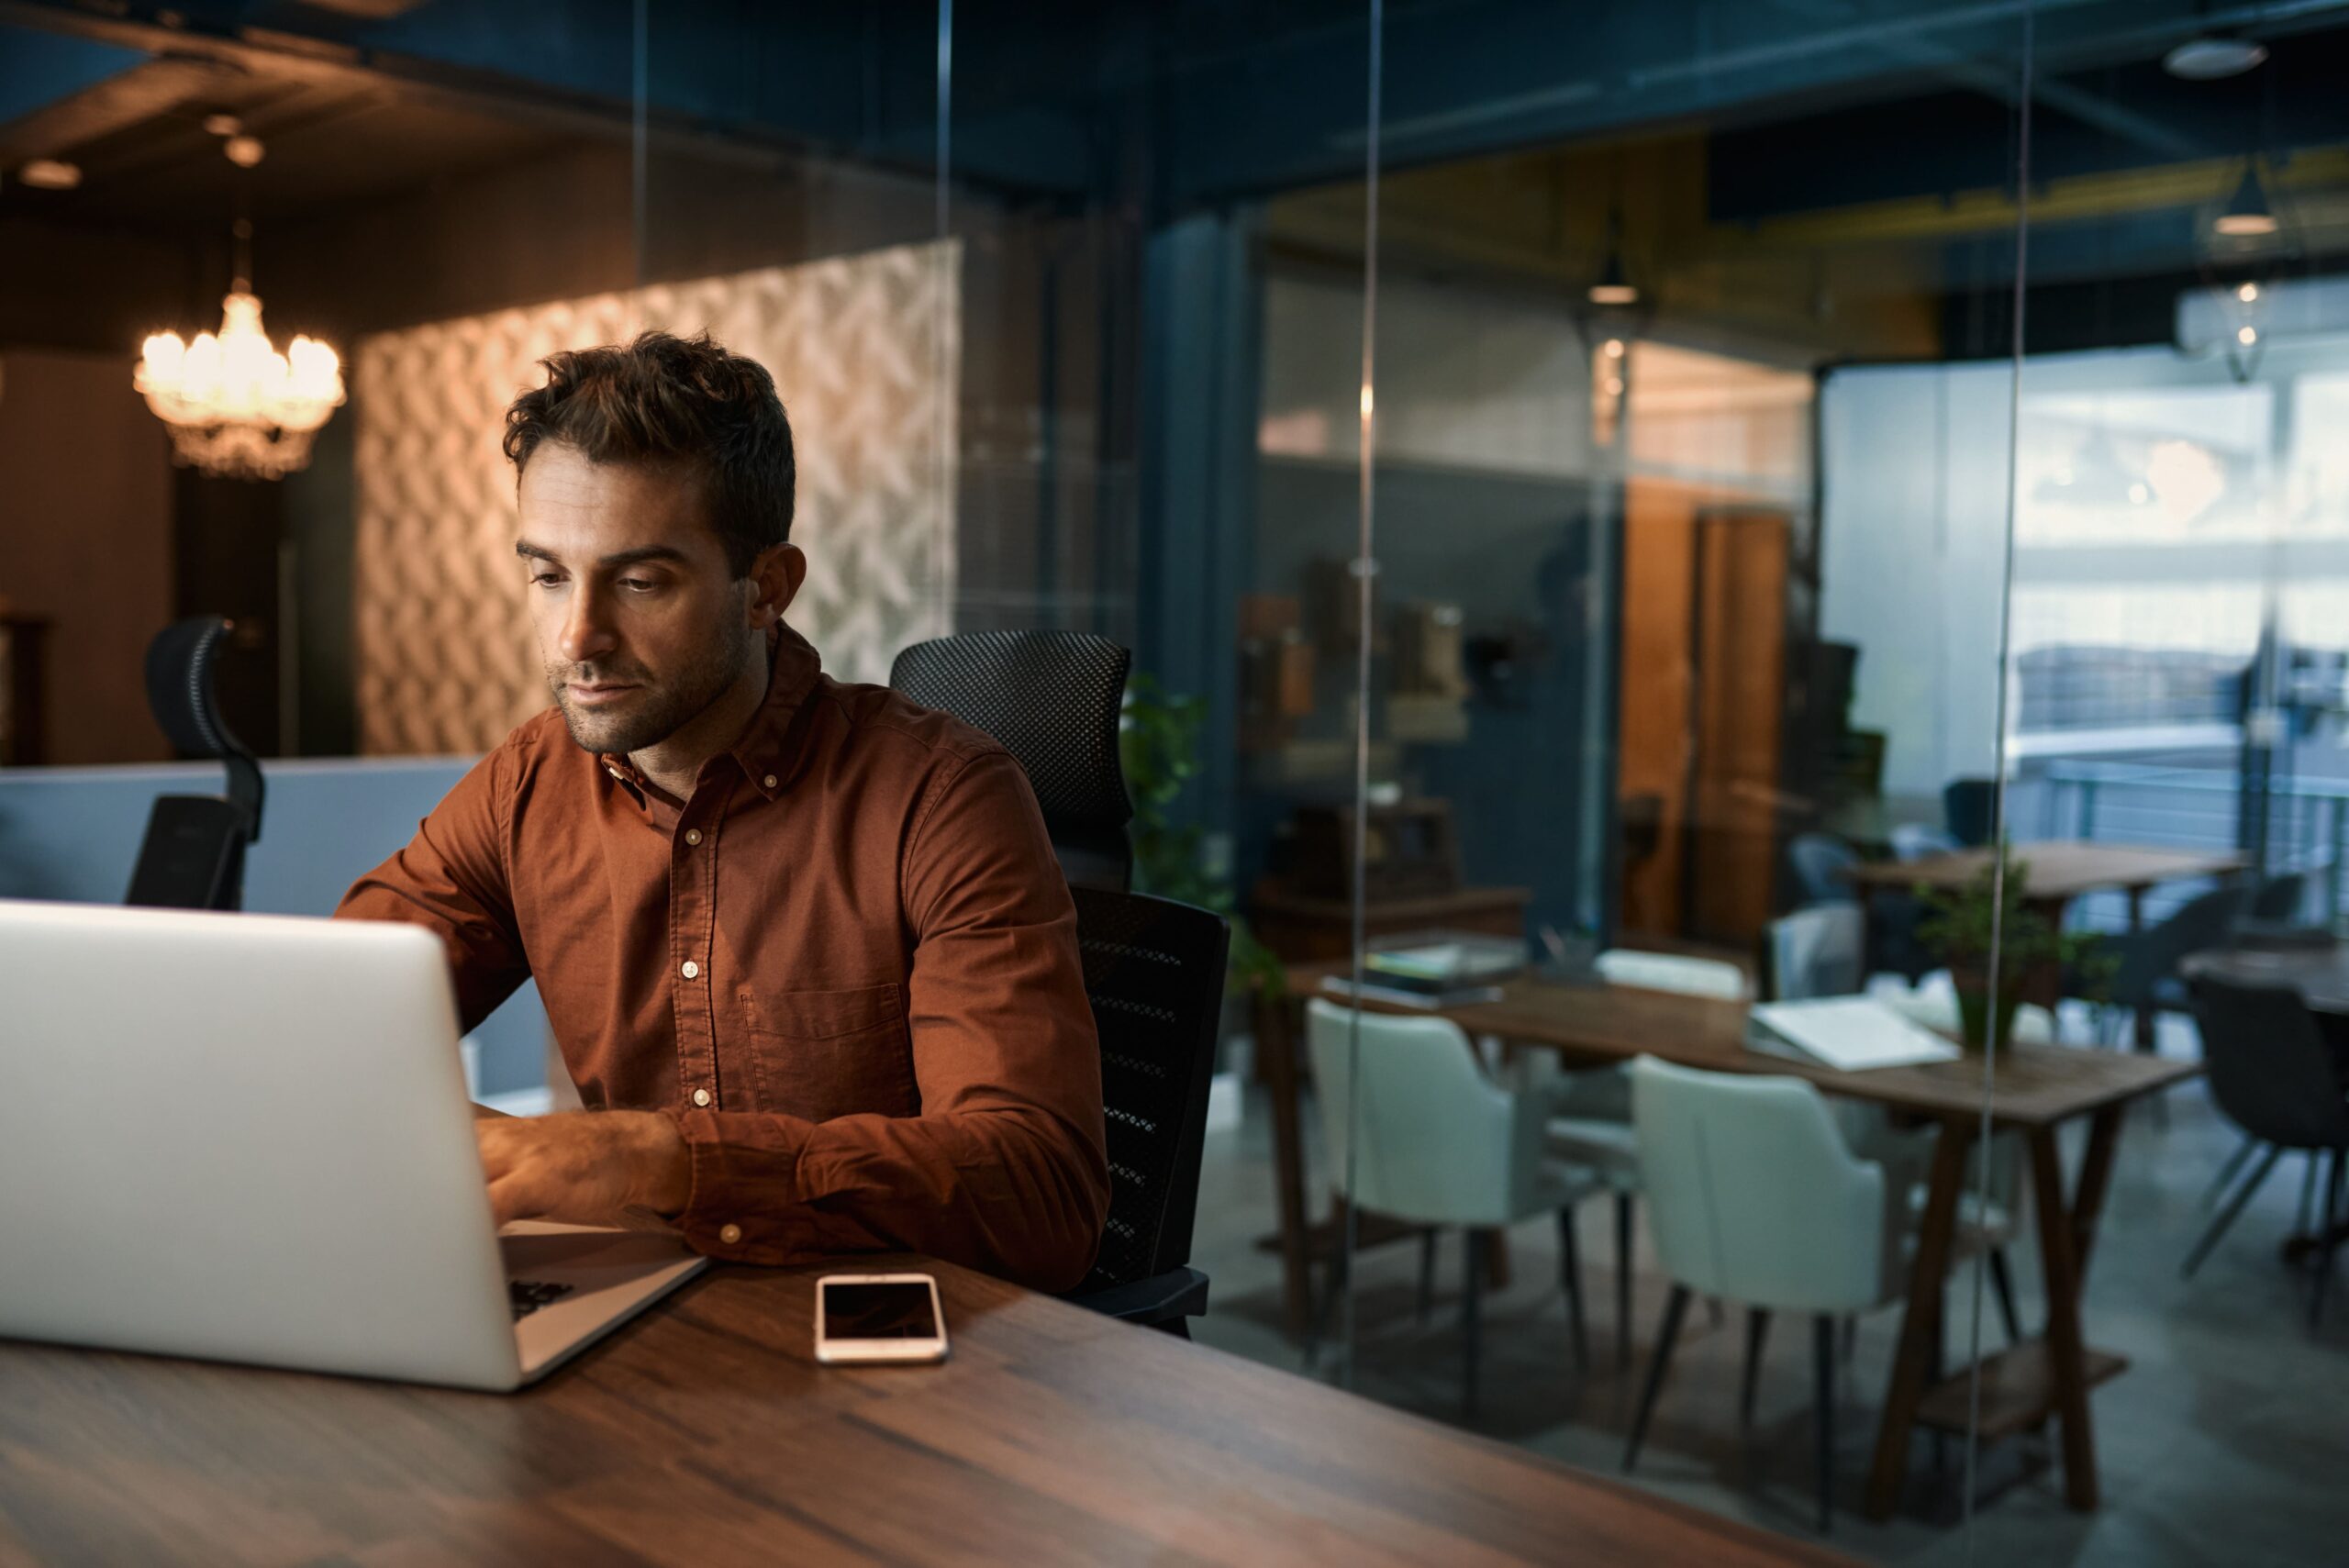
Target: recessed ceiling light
x,y
2210,60
244,151
49,174
222,125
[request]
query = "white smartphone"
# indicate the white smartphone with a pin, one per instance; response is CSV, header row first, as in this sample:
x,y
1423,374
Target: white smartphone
x,y
878,1317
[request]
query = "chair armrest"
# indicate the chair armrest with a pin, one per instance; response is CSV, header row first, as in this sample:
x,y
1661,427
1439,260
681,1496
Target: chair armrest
x,y
1178,1293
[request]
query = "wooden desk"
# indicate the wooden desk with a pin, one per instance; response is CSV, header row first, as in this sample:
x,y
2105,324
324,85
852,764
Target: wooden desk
x,y
2038,1088
2060,870
704,1433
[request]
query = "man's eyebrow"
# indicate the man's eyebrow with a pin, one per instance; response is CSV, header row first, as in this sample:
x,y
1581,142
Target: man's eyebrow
x,y
637,556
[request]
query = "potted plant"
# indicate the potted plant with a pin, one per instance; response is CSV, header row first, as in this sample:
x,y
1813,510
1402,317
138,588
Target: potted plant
x,y
1158,744
1964,926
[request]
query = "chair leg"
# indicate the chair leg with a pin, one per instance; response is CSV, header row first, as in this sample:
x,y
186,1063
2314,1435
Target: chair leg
x,y
1333,1289
2228,1172
2002,1280
1757,1328
1427,1274
2227,1214
2308,1191
1570,1276
2332,1239
1822,1357
1622,1279
1471,1314
1851,1336
1673,1309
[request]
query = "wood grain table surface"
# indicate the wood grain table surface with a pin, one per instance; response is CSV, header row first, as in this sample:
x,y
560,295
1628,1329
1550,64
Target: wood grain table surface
x,y
2321,975
704,1433
2059,869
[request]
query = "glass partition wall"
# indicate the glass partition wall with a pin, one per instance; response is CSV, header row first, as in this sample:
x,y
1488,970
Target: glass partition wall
x,y
1653,713
1617,514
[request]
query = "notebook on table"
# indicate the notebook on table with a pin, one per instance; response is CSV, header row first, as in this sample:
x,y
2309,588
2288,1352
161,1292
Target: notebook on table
x,y
1851,1034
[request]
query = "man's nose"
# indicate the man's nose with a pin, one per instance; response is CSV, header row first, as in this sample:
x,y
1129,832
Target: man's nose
x,y
586,632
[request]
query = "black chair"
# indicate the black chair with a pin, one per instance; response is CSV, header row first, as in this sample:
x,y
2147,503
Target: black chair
x,y
2149,980
1053,699
1970,807
1154,970
2273,1075
2278,899
193,854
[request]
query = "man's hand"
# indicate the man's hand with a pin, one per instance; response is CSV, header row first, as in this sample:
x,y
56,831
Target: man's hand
x,y
585,1167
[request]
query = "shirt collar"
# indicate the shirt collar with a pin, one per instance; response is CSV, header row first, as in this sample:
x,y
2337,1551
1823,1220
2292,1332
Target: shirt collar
x,y
762,752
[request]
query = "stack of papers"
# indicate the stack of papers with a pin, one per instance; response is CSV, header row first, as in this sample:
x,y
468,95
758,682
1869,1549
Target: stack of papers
x,y
1849,1033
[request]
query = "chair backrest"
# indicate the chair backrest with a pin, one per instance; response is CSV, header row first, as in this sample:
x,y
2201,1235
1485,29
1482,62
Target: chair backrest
x,y
193,856
1819,860
1053,699
1920,840
1752,1194
1816,952
1154,973
2268,1065
1434,1140
2206,920
2279,898
1672,972
1970,806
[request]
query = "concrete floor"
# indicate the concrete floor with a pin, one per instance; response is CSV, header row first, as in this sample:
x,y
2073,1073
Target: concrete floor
x,y
2226,1441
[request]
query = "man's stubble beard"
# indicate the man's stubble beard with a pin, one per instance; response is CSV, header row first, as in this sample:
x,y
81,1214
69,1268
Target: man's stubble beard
x,y
662,710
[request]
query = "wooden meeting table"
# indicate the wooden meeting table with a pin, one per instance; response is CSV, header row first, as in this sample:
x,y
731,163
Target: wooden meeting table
x,y
2038,1089
704,1432
2058,870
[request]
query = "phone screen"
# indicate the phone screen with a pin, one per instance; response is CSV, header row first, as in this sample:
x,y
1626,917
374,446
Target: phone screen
x,y
896,1310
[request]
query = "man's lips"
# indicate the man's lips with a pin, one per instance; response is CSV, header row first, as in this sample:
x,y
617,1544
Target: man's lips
x,y
601,691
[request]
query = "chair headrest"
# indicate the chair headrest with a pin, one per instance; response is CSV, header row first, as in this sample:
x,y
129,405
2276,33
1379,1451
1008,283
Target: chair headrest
x,y
180,692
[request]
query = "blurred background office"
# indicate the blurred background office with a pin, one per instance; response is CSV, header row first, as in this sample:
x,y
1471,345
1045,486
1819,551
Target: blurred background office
x,y
1644,473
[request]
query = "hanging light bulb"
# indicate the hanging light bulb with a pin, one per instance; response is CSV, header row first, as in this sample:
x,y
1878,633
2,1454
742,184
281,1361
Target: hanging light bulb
x,y
2247,214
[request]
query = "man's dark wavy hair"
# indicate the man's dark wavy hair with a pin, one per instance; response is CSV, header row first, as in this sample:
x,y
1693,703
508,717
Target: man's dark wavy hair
x,y
669,401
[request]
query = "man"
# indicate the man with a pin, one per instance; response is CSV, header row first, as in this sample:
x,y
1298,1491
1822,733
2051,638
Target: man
x,y
805,946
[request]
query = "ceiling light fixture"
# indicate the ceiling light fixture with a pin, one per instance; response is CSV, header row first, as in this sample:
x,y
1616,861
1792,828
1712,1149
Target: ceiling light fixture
x,y
2214,59
237,407
2247,214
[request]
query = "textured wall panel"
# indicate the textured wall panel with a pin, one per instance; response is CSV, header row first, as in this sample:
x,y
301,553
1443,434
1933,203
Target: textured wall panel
x,y
866,352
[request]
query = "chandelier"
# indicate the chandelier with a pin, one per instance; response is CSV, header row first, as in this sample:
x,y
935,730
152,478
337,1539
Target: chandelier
x,y
235,405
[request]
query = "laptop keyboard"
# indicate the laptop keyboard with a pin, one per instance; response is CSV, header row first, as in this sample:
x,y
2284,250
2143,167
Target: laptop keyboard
x,y
527,1295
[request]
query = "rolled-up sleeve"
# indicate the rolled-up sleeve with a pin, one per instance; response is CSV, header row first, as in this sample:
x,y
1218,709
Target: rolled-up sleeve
x,y
452,878
1004,1168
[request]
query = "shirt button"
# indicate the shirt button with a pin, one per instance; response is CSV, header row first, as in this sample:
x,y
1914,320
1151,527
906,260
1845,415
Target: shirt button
x,y
701,1096
690,970
693,835
770,781
730,1234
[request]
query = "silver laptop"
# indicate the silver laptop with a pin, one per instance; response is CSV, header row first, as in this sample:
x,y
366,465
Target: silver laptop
x,y
246,1138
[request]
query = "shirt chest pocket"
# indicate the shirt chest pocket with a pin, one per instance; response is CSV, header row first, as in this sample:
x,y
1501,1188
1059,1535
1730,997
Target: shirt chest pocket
x,y
821,1054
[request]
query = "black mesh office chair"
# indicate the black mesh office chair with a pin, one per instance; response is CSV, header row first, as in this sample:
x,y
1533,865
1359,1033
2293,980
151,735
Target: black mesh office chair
x,y
1153,969
193,854
1154,972
2273,1075
1052,698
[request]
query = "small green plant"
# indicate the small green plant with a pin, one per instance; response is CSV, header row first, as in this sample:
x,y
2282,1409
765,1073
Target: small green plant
x,y
1963,926
1158,742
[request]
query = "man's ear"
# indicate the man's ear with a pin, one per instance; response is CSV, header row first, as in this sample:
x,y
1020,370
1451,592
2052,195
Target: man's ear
x,y
776,577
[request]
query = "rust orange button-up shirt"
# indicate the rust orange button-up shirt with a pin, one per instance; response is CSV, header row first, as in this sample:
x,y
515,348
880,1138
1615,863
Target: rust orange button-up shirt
x,y
847,965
